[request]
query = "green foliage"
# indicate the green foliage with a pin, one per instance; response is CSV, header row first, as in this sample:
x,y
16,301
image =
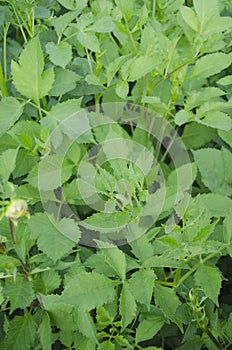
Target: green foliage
x,y
115,174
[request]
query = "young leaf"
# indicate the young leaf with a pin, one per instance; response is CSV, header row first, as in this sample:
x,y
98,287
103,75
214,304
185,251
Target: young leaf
x,y
45,332
28,76
10,111
127,305
210,280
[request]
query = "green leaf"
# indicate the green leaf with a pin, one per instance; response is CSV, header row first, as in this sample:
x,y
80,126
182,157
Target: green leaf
x,y
217,204
141,286
210,280
148,328
197,98
215,119
46,282
183,117
127,306
60,314
20,293
22,333
196,135
28,76
10,111
116,259
88,291
141,66
45,332
167,301
108,222
142,248
89,40
226,136
65,81
60,54
106,345
189,16
50,239
104,24
215,167
8,163
210,64
225,80
227,225
122,89
24,163
54,170
86,325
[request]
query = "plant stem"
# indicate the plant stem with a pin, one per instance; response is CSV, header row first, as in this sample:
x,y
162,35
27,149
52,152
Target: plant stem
x,y
3,86
194,268
5,30
211,337
12,230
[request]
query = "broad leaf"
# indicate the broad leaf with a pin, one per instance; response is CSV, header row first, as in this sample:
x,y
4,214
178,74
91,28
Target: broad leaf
x,y
216,168
50,239
22,333
29,76
210,280
142,285
127,305
88,290
45,332
60,54
168,301
116,259
148,328
10,111
86,325
210,64
8,163
20,293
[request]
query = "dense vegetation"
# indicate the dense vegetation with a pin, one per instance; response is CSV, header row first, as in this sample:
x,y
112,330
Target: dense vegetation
x,y
115,174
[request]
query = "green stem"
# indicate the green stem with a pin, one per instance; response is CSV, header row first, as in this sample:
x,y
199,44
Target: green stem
x,y
5,30
211,337
194,268
153,9
130,35
12,230
3,86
